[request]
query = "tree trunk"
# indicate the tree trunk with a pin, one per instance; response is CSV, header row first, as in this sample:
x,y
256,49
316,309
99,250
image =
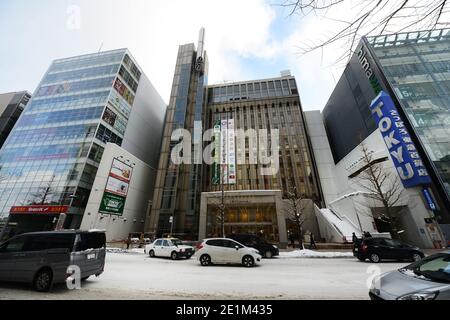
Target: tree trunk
x,y
300,236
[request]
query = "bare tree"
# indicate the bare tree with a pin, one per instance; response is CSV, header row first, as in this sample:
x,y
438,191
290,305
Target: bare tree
x,y
383,186
371,18
295,211
41,196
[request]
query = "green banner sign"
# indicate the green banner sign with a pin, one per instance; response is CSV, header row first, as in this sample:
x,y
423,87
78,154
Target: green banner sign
x,y
112,204
216,164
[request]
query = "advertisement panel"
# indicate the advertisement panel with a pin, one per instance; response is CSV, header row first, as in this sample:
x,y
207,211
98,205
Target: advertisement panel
x,y
216,166
231,153
116,190
123,91
224,151
404,154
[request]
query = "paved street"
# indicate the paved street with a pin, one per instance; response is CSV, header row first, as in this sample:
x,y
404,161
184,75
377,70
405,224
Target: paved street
x,y
136,276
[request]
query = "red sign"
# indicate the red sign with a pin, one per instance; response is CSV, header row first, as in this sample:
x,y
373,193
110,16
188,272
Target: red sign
x,y
39,209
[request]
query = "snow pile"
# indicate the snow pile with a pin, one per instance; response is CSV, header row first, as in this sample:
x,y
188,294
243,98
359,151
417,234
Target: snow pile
x,y
314,254
129,251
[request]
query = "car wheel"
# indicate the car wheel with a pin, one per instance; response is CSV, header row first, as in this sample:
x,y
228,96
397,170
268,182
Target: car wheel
x,y
416,257
205,260
174,255
152,254
43,280
248,261
374,257
268,254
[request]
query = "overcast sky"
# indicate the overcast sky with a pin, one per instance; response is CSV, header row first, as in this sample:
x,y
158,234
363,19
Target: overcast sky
x,y
245,39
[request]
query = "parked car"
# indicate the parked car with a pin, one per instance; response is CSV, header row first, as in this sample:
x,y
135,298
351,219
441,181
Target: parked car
x,y
428,279
42,258
169,247
265,249
227,251
378,249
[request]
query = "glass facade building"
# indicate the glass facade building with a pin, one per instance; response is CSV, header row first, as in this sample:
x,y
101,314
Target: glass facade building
x,y
51,157
177,191
414,69
11,107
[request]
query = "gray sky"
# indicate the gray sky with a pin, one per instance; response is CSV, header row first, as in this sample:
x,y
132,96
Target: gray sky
x,y
245,40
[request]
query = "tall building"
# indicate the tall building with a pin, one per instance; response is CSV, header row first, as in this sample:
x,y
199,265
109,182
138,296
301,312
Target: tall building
x,y
413,69
176,197
11,106
186,194
51,157
254,201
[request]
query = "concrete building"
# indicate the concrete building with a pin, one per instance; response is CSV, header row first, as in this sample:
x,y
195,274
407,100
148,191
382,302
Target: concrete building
x,y
412,69
255,201
11,106
127,214
51,157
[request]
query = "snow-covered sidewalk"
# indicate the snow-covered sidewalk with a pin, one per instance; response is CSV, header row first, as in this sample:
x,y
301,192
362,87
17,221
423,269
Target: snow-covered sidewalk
x,y
314,254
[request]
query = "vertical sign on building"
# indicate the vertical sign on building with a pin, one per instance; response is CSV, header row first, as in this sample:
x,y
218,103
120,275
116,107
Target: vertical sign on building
x,y
404,154
231,153
216,166
116,189
224,151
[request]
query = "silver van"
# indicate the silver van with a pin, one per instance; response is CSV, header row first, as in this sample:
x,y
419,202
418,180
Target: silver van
x,y
43,258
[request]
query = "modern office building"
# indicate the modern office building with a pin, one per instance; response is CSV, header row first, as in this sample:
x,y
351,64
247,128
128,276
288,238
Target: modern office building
x,y
254,198
51,157
11,106
414,70
176,197
186,195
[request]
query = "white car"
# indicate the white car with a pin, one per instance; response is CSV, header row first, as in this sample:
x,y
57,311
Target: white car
x,y
227,251
169,247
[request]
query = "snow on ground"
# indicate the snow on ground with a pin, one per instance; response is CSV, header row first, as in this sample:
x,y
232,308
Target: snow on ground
x,y
137,276
314,254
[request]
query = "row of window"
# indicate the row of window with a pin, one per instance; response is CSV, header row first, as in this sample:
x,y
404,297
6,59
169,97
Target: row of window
x,y
86,61
52,134
245,91
69,87
80,74
132,67
105,135
60,151
92,98
61,116
128,79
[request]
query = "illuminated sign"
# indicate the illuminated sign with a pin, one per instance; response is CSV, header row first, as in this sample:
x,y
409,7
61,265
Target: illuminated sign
x,y
39,209
404,154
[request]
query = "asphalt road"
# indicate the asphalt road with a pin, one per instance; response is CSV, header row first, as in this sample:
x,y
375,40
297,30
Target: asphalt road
x,y
136,276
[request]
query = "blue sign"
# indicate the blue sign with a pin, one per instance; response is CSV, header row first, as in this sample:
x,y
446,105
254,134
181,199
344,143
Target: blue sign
x,y
429,199
404,154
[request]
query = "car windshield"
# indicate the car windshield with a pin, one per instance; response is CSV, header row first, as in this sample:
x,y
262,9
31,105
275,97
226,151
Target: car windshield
x,y
436,267
176,242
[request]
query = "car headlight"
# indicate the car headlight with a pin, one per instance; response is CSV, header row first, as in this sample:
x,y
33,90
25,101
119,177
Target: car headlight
x,y
420,296
275,247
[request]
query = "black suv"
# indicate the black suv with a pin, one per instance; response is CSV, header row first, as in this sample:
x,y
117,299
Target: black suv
x,y
266,249
377,249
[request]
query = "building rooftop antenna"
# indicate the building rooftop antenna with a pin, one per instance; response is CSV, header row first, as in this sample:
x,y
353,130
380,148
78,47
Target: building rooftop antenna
x,y
101,47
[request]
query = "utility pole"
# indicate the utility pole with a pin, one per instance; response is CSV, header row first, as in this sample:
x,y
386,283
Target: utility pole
x,y
222,205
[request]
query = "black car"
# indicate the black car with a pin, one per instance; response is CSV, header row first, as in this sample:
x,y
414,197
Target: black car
x,y
266,249
377,249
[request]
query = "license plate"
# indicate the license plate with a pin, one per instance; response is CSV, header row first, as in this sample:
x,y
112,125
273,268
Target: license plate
x,y
356,249
91,256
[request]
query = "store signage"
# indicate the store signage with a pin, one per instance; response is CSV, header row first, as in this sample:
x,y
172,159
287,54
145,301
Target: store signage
x,y
39,209
224,151
216,166
429,199
116,189
231,148
368,70
404,154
